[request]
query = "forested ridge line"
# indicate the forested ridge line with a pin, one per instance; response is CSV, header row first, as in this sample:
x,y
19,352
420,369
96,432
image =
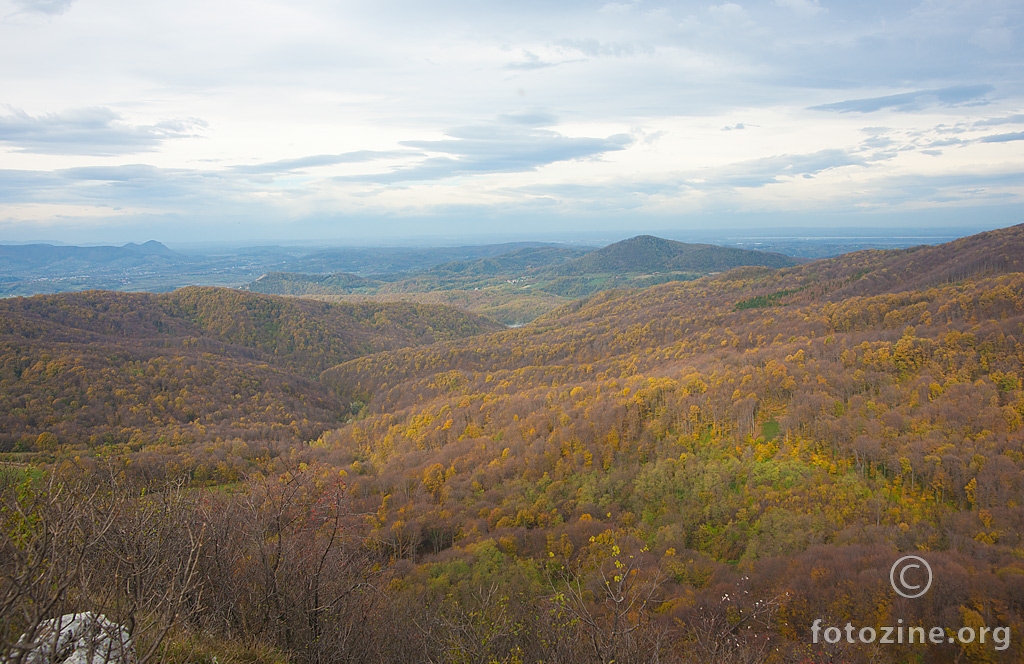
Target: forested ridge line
x,y
101,367
604,325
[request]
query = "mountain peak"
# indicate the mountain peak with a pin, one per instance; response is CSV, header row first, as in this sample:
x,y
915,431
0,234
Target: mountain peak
x,y
649,253
150,247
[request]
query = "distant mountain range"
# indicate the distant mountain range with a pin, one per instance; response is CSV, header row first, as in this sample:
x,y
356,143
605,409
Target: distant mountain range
x,y
552,275
15,260
29,269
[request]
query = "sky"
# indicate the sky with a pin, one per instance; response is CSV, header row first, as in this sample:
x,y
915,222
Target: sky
x,y
306,120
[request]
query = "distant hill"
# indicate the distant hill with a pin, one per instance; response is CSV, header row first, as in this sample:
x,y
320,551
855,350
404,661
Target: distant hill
x,y
516,286
291,283
150,248
393,260
15,260
646,253
646,260
512,263
642,255
495,286
446,276
39,268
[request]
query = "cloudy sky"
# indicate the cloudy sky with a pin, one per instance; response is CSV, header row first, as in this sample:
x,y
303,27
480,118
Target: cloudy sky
x,y
130,120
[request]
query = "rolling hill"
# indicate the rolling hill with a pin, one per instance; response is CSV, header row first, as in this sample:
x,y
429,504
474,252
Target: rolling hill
x,y
646,253
517,286
199,362
291,283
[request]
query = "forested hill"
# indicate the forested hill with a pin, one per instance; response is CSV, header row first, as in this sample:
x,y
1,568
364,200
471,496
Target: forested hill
x,y
459,274
519,261
646,253
875,272
291,283
198,362
607,324
301,335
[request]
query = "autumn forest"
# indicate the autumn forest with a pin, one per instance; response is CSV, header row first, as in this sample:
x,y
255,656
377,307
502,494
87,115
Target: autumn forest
x,y
690,471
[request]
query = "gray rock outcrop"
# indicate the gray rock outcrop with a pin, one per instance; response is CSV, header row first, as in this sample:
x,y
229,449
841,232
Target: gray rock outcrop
x,y
78,638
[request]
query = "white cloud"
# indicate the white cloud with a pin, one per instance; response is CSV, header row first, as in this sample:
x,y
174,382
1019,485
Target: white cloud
x,y
957,95
88,131
801,7
51,7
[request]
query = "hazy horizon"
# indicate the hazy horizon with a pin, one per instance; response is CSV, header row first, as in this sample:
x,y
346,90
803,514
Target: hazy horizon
x,y
866,234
